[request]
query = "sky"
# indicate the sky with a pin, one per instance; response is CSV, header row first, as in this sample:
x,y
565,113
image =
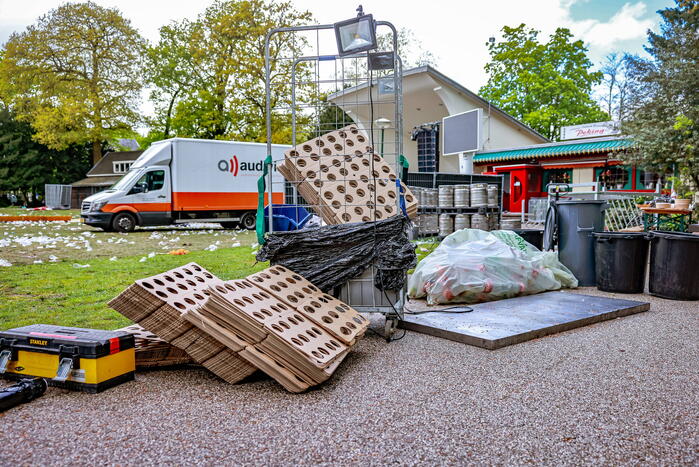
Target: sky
x,y
454,31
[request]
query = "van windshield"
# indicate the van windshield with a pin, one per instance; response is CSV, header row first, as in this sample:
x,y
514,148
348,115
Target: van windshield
x,y
126,181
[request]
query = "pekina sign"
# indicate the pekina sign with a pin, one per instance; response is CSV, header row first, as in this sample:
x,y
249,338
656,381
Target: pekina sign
x,y
590,130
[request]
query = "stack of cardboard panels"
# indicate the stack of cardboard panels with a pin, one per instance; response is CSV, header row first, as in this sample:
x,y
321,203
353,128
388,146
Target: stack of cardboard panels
x,y
282,324
274,320
153,352
344,180
157,303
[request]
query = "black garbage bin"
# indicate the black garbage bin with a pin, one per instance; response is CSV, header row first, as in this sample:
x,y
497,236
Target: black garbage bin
x,y
577,220
620,261
674,258
533,236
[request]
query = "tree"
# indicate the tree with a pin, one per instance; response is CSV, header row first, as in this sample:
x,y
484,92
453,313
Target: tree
x,y
545,85
330,117
75,75
209,74
410,49
616,84
26,165
664,109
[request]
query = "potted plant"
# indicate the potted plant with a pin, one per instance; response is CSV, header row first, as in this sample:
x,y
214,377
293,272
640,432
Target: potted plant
x,y
641,202
684,193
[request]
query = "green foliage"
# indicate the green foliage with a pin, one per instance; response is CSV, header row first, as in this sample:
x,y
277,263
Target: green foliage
x,y
548,85
330,117
75,75
25,165
209,73
664,120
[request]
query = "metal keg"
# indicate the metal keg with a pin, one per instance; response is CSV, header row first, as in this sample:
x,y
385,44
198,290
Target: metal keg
x,y
428,224
479,195
433,223
430,196
493,196
462,196
462,221
446,224
446,196
493,223
479,221
510,223
417,192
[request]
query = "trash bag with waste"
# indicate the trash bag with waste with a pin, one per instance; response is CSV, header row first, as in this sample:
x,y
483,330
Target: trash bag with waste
x,y
472,266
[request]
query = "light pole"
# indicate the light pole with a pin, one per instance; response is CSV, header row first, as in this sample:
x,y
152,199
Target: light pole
x,y
382,123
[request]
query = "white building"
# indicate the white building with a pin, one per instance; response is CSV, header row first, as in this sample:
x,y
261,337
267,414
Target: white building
x,y
429,96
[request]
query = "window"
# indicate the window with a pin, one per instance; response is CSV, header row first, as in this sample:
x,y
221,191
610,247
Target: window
x,y
556,176
151,181
121,167
646,180
617,177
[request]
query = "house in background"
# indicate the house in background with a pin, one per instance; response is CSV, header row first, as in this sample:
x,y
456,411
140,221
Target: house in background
x,y
590,155
102,175
429,96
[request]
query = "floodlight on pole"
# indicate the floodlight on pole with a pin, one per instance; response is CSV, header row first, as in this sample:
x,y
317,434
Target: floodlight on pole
x,y
356,34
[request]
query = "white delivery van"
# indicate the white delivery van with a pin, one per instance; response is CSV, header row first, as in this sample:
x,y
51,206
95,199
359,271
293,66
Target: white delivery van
x,y
182,180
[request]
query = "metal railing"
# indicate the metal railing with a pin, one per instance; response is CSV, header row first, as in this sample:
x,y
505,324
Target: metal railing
x,y
621,213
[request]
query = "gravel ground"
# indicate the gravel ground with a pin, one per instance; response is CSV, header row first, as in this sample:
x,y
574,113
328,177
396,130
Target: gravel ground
x,y
619,392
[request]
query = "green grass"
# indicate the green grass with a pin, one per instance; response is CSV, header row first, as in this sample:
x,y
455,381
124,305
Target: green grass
x,y
74,241
425,247
55,291
15,211
62,294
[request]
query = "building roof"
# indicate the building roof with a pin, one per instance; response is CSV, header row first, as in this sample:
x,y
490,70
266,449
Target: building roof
x,y
128,143
105,166
97,181
458,87
560,148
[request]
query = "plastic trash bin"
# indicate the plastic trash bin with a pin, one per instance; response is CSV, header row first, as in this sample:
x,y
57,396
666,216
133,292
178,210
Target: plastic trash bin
x,y
577,220
620,261
673,265
533,236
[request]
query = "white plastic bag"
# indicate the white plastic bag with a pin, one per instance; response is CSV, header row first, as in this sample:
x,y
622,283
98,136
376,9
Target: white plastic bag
x,y
472,266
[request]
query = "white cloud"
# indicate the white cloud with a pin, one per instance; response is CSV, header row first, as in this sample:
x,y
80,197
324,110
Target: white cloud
x,y
626,24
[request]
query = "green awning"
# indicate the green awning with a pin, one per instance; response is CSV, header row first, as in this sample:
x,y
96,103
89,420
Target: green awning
x,y
555,150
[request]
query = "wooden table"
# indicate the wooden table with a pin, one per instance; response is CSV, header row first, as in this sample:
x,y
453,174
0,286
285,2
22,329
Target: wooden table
x,y
666,219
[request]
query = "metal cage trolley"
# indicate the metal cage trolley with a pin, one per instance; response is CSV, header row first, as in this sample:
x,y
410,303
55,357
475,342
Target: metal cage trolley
x,y
337,87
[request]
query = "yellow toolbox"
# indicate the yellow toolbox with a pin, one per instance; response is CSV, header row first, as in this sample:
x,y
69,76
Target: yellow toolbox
x,y
87,360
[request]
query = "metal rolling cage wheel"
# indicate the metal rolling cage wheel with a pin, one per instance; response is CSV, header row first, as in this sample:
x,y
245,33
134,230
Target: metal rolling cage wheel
x,y
390,326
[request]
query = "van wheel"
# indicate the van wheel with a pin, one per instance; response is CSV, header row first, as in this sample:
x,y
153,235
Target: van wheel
x,y
248,221
124,222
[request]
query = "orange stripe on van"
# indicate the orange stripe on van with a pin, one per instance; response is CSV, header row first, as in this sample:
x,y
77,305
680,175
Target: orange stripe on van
x,y
198,201
137,207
